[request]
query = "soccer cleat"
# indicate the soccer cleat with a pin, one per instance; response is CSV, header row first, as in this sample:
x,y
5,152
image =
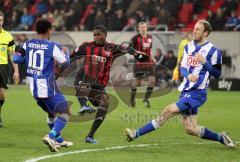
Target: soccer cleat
x,y
50,143
91,140
65,143
86,109
147,103
131,134
227,140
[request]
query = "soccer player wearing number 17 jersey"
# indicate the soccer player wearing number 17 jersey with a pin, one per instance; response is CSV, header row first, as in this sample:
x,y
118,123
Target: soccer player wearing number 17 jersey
x,y
200,60
39,55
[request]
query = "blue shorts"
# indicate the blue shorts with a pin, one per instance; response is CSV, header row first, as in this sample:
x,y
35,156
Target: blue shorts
x,y
190,101
53,104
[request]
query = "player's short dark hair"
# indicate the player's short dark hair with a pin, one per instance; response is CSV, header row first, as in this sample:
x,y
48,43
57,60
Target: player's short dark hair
x,y
42,26
207,26
1,14
102,28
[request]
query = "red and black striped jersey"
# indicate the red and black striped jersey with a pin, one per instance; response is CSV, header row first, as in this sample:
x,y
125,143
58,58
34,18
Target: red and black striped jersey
x,y
143,44
97,60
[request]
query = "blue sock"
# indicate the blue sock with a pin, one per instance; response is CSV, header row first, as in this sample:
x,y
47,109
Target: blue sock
x,y
59,139
59,124
210,135
149,127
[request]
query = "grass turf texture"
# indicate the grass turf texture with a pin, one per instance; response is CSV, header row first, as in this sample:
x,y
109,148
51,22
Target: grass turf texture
x,y
25,126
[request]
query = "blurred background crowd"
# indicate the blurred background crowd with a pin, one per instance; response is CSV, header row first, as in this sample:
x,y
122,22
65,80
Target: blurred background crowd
x,y
83,15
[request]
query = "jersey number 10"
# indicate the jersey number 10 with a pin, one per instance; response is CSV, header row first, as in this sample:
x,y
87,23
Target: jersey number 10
x,y
36,59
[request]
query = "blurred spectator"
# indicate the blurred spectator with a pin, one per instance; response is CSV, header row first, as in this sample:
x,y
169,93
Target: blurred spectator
x,y
147,7
69,20
59,19
159,69
89,22
229,5
20,5
140,16
82,14
27,21
218,20
232,21
169,62
237,28
158,57
19,40
163,18
15,19
41,7
133,7
100,18
117,21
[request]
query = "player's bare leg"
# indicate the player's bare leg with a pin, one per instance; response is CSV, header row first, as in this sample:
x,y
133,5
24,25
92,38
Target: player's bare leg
x,y
192,128
168,112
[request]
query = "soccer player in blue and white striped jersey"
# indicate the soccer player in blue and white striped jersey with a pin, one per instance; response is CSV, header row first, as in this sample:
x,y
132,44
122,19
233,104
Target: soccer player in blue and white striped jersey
x,y
200,61
39,55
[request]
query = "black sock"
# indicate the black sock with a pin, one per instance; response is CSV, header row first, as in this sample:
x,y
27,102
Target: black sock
x,y
148,93
133,93
82,101
97,122
1,103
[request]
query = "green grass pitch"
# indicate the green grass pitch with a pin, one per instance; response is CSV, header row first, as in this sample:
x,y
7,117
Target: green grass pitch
x,y
25,126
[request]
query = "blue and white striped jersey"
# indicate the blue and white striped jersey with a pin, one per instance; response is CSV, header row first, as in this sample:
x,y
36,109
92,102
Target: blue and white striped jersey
x,y
213,56
39,60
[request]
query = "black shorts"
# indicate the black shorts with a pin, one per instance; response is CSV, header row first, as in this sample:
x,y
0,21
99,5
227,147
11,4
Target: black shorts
x,y
4,76
89,87
96,94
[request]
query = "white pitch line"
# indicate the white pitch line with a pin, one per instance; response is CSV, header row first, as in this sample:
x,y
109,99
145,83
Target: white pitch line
x,y
109,148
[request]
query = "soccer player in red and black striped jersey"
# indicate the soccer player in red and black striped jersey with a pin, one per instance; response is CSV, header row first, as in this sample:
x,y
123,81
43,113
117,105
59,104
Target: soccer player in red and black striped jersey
x,y
93,77
143,70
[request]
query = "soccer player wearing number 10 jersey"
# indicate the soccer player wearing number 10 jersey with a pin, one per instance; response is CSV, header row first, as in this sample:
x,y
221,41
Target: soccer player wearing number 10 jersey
x,y
200,60
39,55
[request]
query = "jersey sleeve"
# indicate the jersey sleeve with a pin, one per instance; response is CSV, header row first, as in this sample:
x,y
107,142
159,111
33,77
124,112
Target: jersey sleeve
x,y
79,51
58,55
184,62
133,41
11,44
19,55
216,57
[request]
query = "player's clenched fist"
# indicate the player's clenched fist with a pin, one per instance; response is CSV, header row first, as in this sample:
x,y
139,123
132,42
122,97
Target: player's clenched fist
x,y
192,78
200,58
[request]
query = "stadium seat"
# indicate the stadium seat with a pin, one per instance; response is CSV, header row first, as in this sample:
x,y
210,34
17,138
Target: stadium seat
x,y
154,21
185,12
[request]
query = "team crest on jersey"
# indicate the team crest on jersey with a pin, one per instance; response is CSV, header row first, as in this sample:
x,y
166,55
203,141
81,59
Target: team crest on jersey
x,y
203,52
3,49
192,61
108,53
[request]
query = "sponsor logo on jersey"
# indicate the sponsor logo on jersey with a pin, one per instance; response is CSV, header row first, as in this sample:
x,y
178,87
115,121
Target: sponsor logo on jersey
x,y
192,61
101,59
108,53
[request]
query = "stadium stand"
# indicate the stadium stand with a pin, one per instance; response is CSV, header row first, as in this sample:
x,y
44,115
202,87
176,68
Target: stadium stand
x,y
82,15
